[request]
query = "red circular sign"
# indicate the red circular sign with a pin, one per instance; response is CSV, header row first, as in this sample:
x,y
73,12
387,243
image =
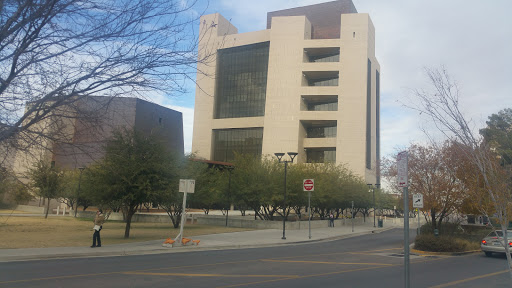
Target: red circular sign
x,y
308,185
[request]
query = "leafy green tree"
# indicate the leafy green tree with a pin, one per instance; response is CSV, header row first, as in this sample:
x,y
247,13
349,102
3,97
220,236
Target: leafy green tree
x,y
498,134
136,169
172,202
47,181
69,192
254,185
12,190
210,192
297,199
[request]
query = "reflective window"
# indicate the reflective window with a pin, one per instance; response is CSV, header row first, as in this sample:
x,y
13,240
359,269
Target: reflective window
x,y
324,82
321,132
329,54
319,103
228,141
325,58
321,155
241,84
377,126
369,115
327,106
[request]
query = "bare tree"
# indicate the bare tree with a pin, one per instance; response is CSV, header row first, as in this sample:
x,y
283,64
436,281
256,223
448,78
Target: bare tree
x,y
55,52
442,106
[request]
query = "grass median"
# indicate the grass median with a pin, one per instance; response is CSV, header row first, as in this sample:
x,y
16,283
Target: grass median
x,y
65,231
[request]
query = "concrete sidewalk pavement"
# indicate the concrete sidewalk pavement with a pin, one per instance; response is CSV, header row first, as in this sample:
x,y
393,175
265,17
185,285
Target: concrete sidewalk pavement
x,y
234,240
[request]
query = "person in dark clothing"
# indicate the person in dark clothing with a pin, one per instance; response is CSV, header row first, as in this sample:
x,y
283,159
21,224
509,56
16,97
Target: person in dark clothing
x,y
98,224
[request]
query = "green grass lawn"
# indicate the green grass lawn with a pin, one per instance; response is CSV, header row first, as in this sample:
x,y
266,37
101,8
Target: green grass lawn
x,y
65,231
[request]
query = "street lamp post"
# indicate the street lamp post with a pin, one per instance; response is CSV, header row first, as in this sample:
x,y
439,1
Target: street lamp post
x,y
230,168
279,156
372,190
78,192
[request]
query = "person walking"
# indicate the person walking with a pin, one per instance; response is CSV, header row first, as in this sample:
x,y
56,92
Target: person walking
x,y
99,219
331,220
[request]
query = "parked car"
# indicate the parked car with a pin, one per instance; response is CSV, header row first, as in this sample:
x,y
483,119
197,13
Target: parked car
x,y
493,243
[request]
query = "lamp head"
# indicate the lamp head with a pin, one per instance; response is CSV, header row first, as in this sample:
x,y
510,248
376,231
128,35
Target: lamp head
x,y
279,156
81,168
292,155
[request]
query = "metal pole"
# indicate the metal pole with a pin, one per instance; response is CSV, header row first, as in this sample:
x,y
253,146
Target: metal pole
x,y
78,192
352,216
418,232
183,217
309,208
406,237
373,190
284,201
229,197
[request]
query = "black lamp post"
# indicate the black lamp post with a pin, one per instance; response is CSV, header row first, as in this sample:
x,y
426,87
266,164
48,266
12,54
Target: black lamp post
x,y
280,158
372,190
230,168
78,192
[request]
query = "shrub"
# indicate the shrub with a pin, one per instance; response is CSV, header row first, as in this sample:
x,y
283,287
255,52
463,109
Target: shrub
x,y
429,242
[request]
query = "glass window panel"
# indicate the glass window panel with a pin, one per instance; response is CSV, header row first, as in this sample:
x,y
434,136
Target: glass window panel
x,y
241,81
324,82
327,106
321,155
229,141
325,58
321,132
369,115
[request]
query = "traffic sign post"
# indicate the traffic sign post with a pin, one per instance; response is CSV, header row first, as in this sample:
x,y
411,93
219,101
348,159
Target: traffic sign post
x,y
352,216
418,230
402,161
417,201
186,186
402,169
309,185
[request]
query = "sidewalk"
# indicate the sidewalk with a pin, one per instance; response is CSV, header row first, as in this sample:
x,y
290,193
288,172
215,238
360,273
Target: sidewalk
x,y
235,240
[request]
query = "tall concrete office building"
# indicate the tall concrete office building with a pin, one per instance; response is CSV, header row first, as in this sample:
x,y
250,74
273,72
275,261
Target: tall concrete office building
x,y
309,83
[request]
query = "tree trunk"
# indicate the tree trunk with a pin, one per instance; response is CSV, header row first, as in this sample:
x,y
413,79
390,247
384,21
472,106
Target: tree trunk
x,y
433,217
47,209
177,222
129,215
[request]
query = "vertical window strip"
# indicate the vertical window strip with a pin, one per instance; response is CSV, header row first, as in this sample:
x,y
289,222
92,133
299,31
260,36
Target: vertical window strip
x,y
241,81
377,126
369,116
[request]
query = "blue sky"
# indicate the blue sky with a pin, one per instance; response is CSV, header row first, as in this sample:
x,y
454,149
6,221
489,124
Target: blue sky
x,y
472,39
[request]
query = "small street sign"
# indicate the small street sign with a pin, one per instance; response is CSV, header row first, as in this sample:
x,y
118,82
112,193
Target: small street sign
x,y
417,200
308,184
402,169
187,185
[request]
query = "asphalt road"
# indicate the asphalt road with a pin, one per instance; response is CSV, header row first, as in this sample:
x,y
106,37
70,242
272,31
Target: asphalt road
x,y
366,261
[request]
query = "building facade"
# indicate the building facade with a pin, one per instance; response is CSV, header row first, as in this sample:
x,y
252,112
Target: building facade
x,y
309,83
79,133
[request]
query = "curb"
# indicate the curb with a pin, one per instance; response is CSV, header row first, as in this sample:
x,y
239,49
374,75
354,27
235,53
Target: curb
x,y
179,249
421,252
